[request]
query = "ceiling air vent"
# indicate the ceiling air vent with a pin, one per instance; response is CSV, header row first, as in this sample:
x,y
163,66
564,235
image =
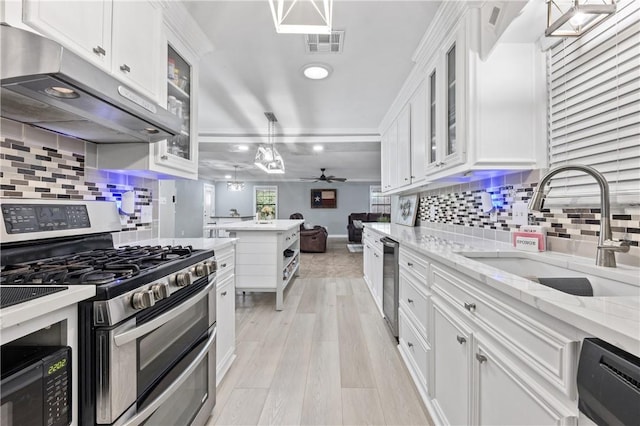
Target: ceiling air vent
x,y
493,18
324,43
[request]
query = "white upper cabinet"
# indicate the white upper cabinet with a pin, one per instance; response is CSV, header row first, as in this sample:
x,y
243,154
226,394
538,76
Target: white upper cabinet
x,y
176,67
84,27
136,45
419,140
469,115
403,163
122,37
390,158
449,103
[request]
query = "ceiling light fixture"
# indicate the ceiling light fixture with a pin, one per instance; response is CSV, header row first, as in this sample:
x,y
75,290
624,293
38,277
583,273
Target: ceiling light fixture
x,y
572,18
235,185
243,148
318,148
302,16
268,159
316,71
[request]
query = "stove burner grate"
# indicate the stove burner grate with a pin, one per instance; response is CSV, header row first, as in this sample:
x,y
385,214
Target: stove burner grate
x,y
100,266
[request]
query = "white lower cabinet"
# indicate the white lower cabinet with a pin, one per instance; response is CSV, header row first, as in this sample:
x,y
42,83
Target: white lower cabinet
x,y
452,374
225,310
479,357
225,317
505,397
372,264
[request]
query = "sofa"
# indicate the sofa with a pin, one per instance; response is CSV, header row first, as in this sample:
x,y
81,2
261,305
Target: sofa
x,y
355,231
312,240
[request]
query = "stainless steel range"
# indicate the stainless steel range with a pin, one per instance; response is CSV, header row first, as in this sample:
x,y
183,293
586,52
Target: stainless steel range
x,y
147,339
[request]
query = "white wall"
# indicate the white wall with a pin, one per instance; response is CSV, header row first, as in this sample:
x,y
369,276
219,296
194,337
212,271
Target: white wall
x,y
295,197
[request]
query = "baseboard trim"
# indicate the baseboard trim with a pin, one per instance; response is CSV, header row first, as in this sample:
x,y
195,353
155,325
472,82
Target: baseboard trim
x,y
337,236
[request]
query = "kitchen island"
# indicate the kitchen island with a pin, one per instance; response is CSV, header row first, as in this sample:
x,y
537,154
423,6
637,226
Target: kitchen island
x,y
267,255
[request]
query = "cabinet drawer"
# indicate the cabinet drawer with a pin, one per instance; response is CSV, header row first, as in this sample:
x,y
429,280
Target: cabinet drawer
x,y
226,261
538,347
414,298
414,263
290,237
414,347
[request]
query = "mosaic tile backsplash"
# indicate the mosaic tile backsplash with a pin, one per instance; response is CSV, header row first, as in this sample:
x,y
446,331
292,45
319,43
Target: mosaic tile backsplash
x,y
569,230
40,164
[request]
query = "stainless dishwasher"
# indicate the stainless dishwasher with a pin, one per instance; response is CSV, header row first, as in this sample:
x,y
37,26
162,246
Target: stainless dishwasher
x,y
390,287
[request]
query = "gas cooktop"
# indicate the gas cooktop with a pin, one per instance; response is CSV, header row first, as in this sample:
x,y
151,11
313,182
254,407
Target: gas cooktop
x,y
112,271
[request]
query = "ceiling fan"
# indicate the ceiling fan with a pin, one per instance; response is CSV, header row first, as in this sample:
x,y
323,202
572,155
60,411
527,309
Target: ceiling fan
x,y
323,178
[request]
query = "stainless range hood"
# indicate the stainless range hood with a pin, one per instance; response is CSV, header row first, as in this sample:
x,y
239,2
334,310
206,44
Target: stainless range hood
x,y
47,86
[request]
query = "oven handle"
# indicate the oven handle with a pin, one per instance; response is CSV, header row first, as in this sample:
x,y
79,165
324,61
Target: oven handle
x,y
141,416
131,335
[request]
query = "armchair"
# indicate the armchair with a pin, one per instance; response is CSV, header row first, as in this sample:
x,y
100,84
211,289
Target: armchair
x,y
312,240
355,229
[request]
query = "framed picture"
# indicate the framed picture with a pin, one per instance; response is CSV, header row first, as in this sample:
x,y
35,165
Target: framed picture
x,y
324,198
407,210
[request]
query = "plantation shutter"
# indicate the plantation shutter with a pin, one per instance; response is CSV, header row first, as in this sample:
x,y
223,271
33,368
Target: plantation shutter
x,y
594,110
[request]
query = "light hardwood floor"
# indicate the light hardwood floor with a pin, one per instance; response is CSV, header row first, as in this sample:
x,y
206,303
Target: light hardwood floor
x,y
325,359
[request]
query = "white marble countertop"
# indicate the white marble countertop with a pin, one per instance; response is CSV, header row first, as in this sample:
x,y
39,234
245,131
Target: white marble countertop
x,y
252,225
615,319
196,243
35,308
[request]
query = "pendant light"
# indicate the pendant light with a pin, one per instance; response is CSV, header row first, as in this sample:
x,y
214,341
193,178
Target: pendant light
x,y
572,18
268,159
235,185
302,16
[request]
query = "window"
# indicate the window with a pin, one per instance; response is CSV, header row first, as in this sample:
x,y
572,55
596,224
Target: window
x,y
378,202
593,110
265,196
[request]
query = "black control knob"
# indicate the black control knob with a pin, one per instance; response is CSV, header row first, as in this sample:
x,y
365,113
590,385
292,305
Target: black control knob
x,y
183,279
161,291
143,299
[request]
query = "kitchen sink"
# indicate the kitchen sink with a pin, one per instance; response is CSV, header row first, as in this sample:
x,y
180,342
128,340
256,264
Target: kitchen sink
x,y
619,281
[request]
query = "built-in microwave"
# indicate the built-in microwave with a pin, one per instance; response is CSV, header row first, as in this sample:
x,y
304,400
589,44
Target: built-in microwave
x,y
36,385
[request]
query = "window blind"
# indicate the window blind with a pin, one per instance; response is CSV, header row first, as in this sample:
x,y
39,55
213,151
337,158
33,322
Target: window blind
x,y
594,110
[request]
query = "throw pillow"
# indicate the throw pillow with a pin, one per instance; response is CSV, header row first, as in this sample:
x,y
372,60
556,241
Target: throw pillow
x,y
307,226
358,224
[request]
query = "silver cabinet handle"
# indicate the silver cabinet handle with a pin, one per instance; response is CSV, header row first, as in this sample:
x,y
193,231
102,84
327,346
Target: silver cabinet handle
x,y
144,414
410,264
125,68
410,300
406,178
410,344
376,254
147,327
461,339
470,306
224,265
481,358
98,50
224,293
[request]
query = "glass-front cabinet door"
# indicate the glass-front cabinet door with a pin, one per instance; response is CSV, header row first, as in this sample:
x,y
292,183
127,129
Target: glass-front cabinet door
x,y
446,105
180,152
179,102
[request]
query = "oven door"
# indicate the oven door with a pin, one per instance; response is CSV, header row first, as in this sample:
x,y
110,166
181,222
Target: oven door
x,y
138,353
186,395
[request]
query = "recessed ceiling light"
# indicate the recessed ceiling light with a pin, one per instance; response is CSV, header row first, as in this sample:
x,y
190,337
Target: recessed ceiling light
x,y
316,71
227,176
243,148
318,147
